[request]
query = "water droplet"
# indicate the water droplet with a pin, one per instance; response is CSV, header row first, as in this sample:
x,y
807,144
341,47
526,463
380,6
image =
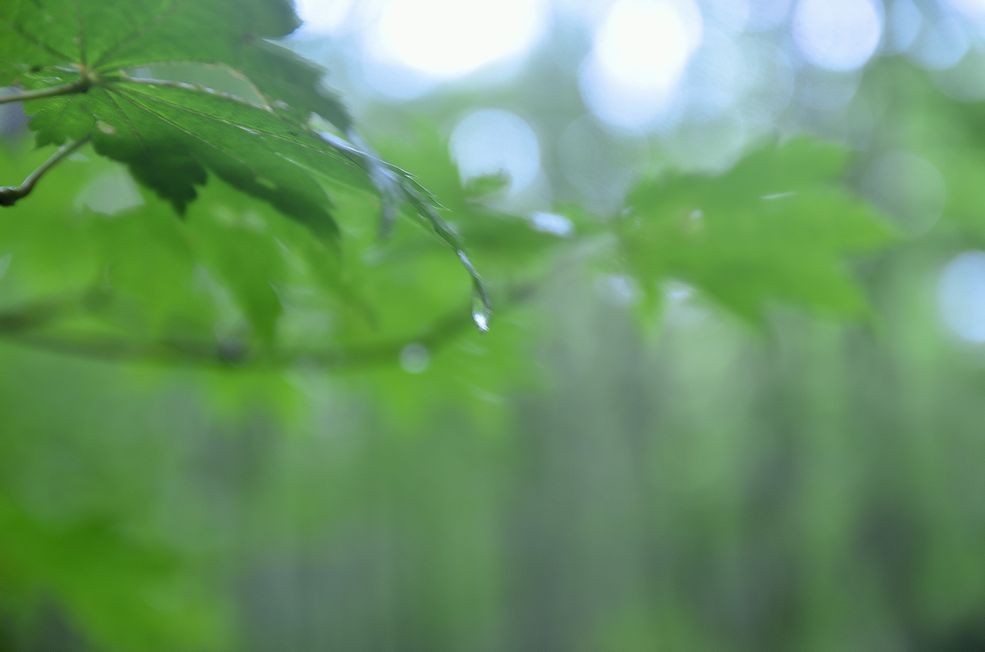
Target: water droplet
x,y
415,359
481,314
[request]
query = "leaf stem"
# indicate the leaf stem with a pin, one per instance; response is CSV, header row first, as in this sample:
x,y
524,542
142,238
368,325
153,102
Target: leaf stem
x,y
10,195
124,78
78,86
393,191
35,316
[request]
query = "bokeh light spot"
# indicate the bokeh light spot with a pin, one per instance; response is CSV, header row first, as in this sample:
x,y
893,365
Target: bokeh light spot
x,y
446,39
553,223
961,296
840,35
940,45
767,14
323,16
493,141
640,53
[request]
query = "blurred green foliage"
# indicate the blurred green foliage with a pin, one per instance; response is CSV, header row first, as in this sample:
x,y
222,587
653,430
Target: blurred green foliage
x,y
773,228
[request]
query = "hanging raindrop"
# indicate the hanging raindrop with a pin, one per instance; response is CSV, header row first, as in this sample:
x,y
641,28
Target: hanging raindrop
x,y
415,359
481,313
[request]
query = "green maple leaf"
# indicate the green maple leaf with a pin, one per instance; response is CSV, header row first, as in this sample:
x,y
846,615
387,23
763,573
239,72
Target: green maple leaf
x,y
777,228
110,35
90,67
170,134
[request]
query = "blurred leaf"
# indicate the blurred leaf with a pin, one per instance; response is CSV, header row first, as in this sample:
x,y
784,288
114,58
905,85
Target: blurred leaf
x,y
488,184
777,228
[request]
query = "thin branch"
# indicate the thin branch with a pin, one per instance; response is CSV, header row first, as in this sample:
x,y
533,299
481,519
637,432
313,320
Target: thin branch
x,y
10,195
234,354
78,86
36,315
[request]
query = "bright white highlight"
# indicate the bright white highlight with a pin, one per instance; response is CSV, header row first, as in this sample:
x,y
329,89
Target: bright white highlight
x,y
445,39
641,51
974,9
730,15
767,14
481,320
552,223
839,35
961,296
493,141
323,16
941,45
903,25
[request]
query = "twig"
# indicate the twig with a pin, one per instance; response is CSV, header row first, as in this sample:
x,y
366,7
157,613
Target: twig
x,y
34,316
78,86
19,328
10,195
